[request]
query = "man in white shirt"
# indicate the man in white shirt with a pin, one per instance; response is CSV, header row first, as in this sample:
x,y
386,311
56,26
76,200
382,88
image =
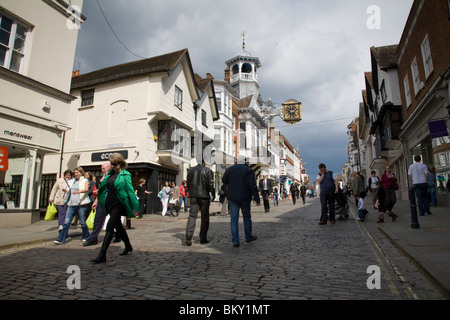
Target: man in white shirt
x,y
418,172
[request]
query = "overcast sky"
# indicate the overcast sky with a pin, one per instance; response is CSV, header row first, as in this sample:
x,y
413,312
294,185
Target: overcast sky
x,y
313,51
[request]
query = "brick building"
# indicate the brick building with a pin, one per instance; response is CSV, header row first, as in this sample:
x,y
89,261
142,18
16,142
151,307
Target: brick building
x,y
424,77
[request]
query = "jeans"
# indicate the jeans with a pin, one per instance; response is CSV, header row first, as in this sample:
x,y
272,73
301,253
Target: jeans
x,y
71,211
184,200
421,190
234,213
275,199
327,200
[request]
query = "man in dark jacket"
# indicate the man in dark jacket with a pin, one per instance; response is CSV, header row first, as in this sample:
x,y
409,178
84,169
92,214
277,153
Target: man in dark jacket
x,y
241,184
266,190
200,185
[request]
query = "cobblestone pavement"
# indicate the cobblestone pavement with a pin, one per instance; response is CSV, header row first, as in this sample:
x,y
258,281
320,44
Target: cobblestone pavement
x,y
293,258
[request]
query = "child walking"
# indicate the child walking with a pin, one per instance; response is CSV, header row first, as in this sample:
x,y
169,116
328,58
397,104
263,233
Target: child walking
x,y
381,201
362,212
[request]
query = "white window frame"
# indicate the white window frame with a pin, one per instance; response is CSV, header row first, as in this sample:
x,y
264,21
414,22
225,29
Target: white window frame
x,y
426,56
10,51
416,76
178,101
407,91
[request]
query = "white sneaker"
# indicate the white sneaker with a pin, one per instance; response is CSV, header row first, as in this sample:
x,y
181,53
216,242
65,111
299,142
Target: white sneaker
x,y
57,242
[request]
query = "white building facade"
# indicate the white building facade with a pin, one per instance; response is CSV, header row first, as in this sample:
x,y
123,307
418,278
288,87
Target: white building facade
x,y
37,50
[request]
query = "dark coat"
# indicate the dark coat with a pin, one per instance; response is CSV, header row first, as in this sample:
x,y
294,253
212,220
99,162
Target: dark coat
x,y
269,186
241,182
200,182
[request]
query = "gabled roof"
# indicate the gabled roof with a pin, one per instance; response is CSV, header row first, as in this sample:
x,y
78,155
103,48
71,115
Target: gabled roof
x,y
386,56
164,63
206,87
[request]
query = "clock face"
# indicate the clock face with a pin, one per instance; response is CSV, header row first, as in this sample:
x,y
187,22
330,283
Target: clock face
x,y
292,112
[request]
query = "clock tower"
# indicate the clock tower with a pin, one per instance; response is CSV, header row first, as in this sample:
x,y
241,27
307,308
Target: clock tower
x,y
244,76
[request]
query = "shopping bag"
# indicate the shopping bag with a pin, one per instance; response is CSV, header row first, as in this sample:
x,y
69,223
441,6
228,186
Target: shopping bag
x,y
51,212
90,220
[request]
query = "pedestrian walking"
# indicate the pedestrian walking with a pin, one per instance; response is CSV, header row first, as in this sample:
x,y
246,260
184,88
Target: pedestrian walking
x,y
303,192
390,184
294,192
165,195
372,185
380,203
77,205
362,212
100,214
241,182
418,172
116,195
328,189
59,196
184,195
141,193
200,183
266,189
174,200
275,196
358,186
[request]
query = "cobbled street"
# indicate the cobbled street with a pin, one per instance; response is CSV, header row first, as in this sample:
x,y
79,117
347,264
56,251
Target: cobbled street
x,y
293,258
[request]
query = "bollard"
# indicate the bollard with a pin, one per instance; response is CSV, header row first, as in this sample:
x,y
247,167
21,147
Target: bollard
x,y
412,201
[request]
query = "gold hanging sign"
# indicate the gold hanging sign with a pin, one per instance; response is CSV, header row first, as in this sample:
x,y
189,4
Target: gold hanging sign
x,y
292,111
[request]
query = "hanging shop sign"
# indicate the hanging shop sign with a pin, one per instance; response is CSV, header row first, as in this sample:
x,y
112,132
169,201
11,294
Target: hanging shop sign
x,y
438,129
3,158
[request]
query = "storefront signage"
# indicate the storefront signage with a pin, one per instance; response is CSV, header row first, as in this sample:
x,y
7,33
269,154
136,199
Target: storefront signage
x,y
438,129
18,135
3,158
104,156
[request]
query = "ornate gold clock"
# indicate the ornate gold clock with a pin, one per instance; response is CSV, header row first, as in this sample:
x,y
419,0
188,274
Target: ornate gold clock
x,y
292,111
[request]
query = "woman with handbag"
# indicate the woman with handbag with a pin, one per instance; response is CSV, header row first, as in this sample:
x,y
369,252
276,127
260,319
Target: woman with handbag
x,y
390,184
117,196
59,196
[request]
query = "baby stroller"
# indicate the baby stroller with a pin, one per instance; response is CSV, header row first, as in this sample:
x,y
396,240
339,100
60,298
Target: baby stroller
x,y
342,204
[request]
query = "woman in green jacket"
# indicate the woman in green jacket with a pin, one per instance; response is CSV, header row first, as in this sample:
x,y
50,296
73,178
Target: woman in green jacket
x,y
116,194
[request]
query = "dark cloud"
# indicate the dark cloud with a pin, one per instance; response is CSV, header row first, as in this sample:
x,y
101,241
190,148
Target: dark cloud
x,y
312,51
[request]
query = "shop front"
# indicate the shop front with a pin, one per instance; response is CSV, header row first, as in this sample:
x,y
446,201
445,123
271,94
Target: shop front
x,y
427,135
24,140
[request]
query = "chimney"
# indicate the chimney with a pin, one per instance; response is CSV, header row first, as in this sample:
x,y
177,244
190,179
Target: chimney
x,y
227,74
75,73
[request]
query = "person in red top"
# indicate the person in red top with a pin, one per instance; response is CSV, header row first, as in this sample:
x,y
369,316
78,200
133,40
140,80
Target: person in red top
x,y
184,195
389,181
